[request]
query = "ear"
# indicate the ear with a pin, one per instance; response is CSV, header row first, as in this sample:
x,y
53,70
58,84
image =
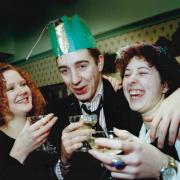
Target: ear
x,y
165,87
100,63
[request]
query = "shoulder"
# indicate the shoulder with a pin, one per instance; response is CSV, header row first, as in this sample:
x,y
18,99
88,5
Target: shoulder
x,y
60,105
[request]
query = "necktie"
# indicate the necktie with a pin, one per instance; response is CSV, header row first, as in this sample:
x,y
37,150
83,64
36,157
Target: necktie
x,y
97,112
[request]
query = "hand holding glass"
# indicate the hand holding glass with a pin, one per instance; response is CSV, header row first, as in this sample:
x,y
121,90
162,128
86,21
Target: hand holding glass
x,y
89,122
32,120
103,134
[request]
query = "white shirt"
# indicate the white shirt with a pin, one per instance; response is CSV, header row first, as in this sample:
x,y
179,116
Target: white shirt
x,y
93,106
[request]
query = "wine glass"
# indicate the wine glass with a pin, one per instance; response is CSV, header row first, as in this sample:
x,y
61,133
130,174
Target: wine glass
x,y
105,134
32,120
111,152
89,122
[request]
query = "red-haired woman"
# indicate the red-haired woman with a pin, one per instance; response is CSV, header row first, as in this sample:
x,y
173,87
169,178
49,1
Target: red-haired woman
x,y
19,140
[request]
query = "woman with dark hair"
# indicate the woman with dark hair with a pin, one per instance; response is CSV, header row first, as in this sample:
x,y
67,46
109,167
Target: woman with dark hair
x,y
20,154
149,75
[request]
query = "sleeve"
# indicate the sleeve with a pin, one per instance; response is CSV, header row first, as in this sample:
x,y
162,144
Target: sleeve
x,y
58,171
10,168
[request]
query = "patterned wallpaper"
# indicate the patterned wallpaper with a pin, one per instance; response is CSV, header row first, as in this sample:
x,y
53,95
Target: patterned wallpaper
x,y
44,71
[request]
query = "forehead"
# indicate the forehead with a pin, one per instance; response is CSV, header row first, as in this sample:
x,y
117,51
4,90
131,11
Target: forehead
x,y
75,57
11,76
137,62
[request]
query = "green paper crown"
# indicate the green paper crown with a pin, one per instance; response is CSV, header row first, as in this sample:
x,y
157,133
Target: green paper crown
x,y
69,35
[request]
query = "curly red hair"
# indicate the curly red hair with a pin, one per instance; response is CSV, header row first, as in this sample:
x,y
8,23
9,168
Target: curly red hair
x,y
38,100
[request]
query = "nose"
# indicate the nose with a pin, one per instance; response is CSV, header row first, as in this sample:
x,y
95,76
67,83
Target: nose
x,y
75,77
132,79
21,91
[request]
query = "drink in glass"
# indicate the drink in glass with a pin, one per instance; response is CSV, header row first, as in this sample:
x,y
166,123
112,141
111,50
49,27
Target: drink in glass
x,y
103,134
89,121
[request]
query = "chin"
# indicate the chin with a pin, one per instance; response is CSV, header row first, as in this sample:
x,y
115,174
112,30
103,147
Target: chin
x,y
135,107
29,108
83,97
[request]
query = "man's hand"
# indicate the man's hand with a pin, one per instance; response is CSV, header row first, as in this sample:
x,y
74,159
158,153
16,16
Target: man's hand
x,y
167,120
72,138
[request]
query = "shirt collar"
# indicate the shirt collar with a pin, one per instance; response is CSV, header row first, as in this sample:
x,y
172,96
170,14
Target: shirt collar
x,y
96,98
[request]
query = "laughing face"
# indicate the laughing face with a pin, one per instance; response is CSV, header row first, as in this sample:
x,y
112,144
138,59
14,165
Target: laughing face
x,y
142,85
81,74
18,93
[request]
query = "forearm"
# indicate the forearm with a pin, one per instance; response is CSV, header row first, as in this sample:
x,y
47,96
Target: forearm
x,y
18,155
65,165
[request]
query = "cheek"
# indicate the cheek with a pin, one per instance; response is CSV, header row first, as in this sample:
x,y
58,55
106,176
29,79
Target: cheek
x,y
154,87
124,85
66,80
10,98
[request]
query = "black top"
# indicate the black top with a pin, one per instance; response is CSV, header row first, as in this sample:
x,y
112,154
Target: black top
x,y
38,165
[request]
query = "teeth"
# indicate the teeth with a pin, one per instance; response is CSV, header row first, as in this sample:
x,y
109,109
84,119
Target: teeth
x,y
22,100
136,92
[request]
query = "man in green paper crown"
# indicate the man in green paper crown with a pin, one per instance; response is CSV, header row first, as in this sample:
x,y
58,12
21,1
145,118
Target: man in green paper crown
x,y
80,64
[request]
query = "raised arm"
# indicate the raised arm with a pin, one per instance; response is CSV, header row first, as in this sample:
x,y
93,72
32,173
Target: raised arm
x,y
167,120
12,157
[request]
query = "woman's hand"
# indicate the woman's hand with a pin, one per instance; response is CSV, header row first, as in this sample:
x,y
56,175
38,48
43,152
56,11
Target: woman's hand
x,y
142,160
31,137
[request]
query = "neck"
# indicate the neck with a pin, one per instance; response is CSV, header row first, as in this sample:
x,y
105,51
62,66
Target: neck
x,y
14,126
98,88
148,115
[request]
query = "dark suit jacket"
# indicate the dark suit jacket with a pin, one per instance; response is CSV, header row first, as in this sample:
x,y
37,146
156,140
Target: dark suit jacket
x,y
117,114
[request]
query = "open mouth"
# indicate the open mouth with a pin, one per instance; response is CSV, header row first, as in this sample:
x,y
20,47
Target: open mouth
x,y
80,91
136,93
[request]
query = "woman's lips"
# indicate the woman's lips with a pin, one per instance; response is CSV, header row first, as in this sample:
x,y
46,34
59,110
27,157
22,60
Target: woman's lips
x,y
23,101
136,93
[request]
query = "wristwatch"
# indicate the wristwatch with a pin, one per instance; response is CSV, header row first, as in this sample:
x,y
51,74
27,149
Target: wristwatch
x,y
169,171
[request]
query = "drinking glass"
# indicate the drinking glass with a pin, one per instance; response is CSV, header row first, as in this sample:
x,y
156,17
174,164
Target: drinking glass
x,y
105,134
32,120
89,122
111,152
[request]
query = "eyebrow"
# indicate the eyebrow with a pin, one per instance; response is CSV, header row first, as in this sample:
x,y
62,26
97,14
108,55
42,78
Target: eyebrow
x,y
78,62
139,68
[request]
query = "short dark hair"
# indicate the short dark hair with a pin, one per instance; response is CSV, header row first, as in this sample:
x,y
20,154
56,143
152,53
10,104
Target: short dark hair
x,y
94,52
